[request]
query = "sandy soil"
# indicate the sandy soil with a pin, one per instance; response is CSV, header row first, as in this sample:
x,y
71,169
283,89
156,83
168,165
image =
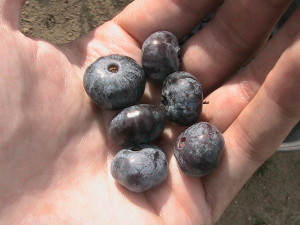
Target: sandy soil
x,y
271,197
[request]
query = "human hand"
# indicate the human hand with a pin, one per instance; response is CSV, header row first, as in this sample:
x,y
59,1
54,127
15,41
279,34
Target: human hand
x,y
54,150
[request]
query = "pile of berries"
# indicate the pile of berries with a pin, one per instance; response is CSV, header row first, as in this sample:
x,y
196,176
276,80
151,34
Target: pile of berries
x,y
117,82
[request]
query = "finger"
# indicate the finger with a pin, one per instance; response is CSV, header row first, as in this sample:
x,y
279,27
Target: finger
x,y
229,100
126,32
258,131
238,30
10,11
141,18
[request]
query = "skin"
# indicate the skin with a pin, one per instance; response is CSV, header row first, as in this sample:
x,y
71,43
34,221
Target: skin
x,y
54,151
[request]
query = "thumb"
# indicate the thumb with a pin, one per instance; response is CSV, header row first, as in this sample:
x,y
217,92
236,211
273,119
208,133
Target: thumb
x,y
10,11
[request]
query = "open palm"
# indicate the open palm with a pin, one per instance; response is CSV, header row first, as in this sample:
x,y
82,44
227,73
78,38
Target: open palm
x,y
54,150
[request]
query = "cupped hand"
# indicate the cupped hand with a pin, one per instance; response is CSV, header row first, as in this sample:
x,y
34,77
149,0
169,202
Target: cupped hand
x,y
54,150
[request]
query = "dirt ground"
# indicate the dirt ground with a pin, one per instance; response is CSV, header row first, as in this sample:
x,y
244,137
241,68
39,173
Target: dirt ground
x,y
271,197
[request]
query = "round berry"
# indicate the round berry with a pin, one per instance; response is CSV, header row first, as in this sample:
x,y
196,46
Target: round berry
x,y
140,170
199,148
137,124
114,82
182,97
160,55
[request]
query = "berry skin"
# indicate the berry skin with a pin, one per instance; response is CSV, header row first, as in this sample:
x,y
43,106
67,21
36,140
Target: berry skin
x,y
198,149
160,55
182,97
137,124
141,170
114,82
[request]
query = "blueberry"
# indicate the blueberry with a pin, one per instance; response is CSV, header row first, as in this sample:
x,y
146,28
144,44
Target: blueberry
x,y
199,148
160,55
137,124
140,170
182,97
114,82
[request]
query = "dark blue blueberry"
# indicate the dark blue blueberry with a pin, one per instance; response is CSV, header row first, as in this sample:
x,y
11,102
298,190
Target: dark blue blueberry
x,y
114,82
160,55
199,148
140,170
137,124
182,97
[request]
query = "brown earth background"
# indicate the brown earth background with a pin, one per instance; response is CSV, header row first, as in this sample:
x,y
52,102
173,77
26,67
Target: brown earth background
x,y
271,197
